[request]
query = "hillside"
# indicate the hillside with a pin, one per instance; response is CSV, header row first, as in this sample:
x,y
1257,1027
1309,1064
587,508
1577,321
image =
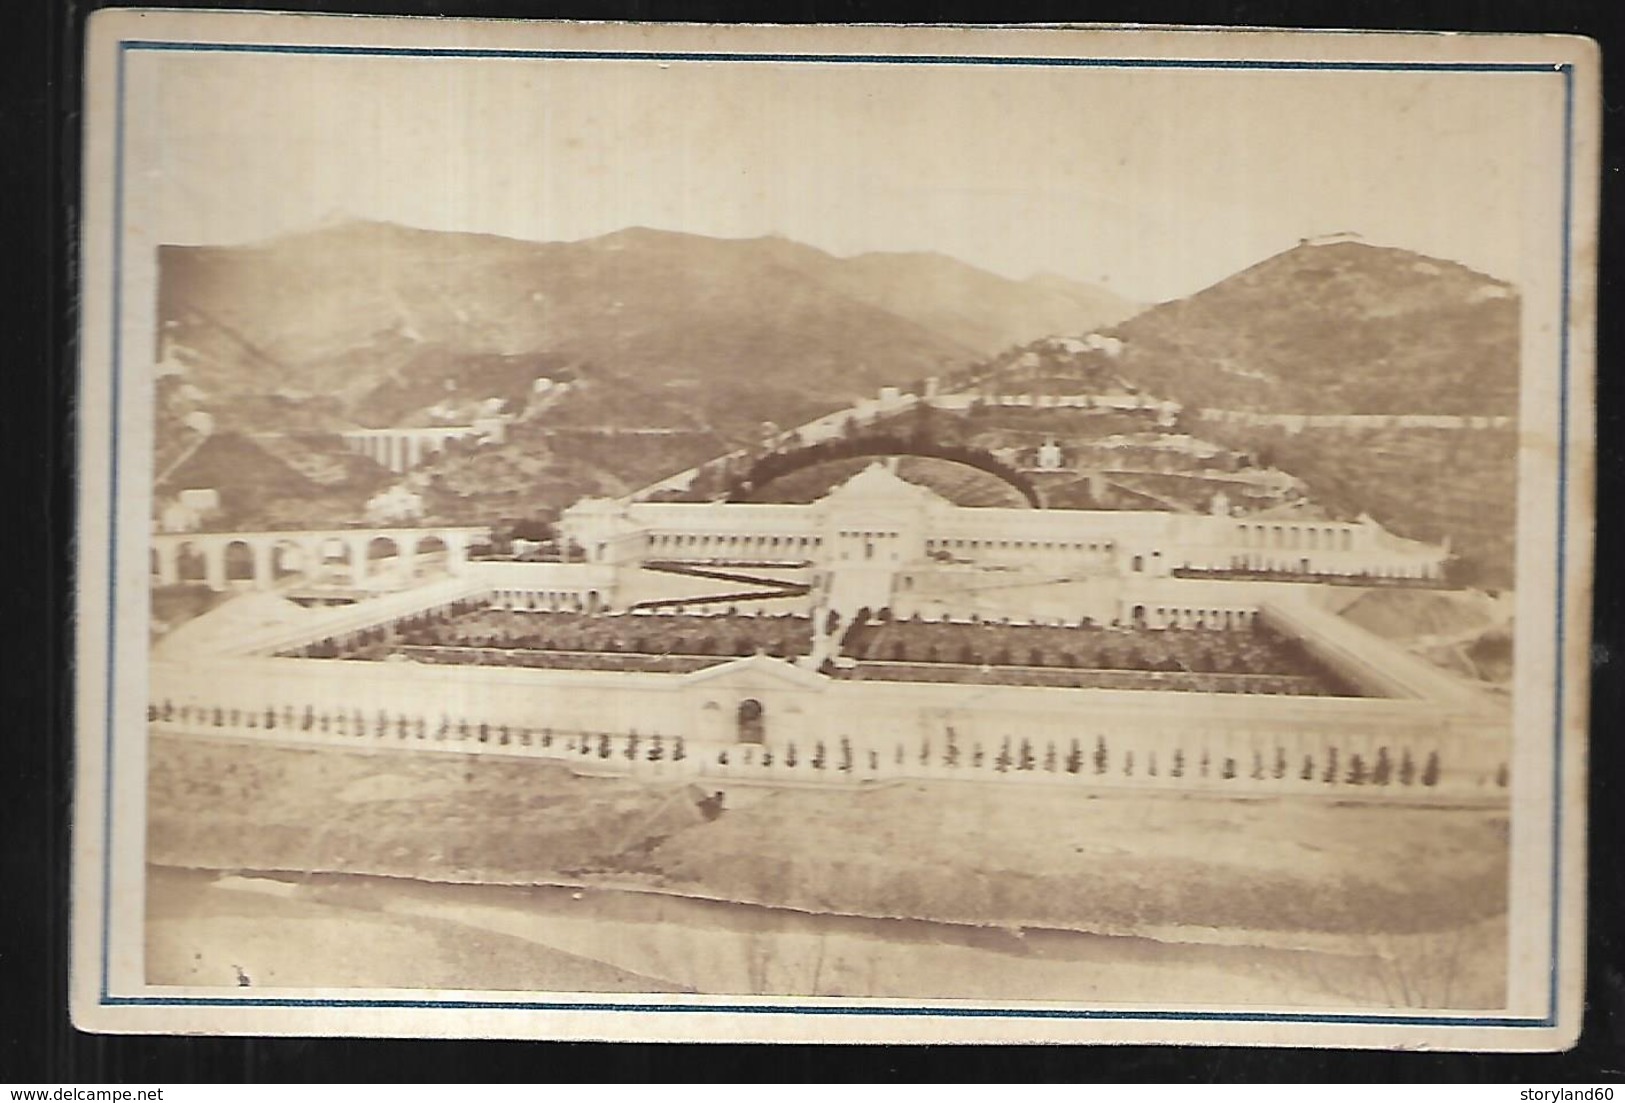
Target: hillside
x,y
975,308
1335,328
368,313
276,482
619,359
1467,498
1428,484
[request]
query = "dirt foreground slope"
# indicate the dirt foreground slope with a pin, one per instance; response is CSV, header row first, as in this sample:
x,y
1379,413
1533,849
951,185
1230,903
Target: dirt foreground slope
x,y
1277,870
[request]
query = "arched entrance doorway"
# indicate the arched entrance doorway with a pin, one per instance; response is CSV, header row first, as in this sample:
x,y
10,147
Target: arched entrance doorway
x,y
751,727
287,559
239,561
381,548
190,565
430,556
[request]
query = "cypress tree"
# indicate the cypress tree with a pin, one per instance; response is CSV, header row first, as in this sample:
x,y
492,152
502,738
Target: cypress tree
x,y
1049,757
1383,772
1330,776
1025,761
1357,773
818,755
1003,762
1074,758
1100,754
1407,768
1430,772
1178,768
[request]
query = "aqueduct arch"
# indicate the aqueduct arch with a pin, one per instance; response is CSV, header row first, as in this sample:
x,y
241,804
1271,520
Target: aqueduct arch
x,y
262,560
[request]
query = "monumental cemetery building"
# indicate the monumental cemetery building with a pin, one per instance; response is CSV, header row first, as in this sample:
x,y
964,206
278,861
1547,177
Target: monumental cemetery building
x,y
876,634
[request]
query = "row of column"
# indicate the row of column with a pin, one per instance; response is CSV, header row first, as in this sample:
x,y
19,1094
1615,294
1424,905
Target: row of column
x,y
729,544
1314,538
398,450
311,552
1309,565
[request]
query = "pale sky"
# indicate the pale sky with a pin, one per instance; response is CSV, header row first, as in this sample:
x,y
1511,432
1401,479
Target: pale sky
x,y
1151,183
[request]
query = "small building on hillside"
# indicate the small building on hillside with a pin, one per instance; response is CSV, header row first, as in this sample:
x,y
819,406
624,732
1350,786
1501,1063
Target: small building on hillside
x,y
1049,456
189,509
395,505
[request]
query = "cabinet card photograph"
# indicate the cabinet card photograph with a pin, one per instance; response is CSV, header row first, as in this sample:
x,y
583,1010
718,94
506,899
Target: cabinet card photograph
x,y
828,533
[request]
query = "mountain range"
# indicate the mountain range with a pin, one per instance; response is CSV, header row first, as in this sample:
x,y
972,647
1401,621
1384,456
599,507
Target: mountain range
x,y
694,342
728,333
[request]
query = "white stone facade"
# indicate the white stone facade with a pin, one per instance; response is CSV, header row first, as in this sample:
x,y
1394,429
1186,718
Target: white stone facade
x,y
878,537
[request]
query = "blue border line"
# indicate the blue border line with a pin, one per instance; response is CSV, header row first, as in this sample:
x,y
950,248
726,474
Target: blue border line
x,y
847,59
1565,70
1558,704
112,514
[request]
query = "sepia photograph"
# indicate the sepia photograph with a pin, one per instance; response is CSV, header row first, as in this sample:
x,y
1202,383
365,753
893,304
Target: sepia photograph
x,y
984,534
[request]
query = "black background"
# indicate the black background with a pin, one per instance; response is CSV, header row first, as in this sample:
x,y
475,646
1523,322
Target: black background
x,y
39,126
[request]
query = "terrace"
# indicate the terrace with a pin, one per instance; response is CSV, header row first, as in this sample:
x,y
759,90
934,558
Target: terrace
x,y
655,642
1254,660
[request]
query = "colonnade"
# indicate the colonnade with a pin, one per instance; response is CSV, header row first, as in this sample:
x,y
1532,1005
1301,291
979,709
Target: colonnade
x,y
686,545
266,556
1431,570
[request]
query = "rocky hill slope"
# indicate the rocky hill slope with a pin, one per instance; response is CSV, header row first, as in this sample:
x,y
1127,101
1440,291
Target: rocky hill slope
x,y
735,331
1335,328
